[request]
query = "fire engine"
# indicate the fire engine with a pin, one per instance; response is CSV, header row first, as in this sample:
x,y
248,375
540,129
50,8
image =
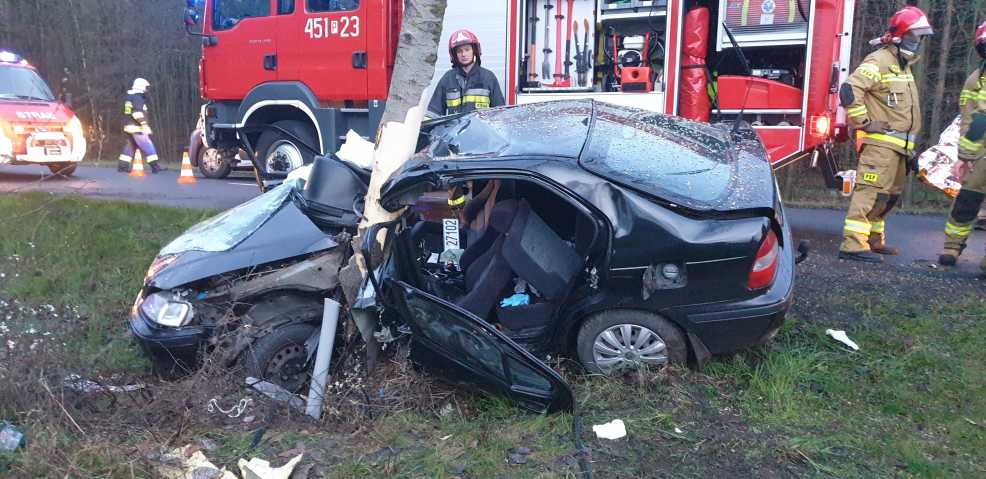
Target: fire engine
x,y
35,127
285,79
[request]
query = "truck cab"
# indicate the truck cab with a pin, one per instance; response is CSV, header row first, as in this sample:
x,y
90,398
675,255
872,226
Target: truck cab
x,y
286,79
36,128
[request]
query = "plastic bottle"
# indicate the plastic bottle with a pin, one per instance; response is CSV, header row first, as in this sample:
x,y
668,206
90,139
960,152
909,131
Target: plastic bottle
x,y
11,437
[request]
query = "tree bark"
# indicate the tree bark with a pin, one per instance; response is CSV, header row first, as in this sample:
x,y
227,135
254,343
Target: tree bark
x,y
934,127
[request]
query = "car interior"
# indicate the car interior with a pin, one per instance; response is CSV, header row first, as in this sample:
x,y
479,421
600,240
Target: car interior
x,y
522,252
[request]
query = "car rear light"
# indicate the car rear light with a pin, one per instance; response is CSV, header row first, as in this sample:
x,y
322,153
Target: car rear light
x,y
765,265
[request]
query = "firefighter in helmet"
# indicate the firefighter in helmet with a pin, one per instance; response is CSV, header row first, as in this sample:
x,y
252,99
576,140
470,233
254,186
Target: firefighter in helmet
x,y
467,86
137,128
883,104
972,149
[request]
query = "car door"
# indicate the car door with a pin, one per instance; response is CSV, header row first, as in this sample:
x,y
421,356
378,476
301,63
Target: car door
x,y
454,344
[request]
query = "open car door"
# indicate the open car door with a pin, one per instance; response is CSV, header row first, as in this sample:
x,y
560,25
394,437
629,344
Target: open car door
x,y
452,343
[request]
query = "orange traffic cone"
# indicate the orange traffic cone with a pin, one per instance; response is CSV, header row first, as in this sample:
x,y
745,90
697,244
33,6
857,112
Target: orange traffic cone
x,y
187,177
138,166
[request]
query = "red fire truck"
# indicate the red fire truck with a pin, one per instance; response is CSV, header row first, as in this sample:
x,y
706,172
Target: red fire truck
x,y
286,79
36,128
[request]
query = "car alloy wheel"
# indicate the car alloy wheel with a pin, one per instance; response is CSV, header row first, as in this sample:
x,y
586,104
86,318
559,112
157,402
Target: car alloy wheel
x,y
626,346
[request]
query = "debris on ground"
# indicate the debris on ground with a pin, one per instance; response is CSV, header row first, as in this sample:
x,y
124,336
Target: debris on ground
x,y
11,437
189,462
841,336
80,384
277,393
257,468
612,430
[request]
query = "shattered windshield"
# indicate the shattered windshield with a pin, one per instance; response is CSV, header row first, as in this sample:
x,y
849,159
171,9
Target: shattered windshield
x,y
551,128
226,230
24,84
679,161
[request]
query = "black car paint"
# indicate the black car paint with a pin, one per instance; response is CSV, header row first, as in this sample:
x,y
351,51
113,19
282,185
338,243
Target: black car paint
x,y
266,245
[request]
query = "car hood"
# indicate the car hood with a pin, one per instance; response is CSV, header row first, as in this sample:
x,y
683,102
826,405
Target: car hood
x,y
696,166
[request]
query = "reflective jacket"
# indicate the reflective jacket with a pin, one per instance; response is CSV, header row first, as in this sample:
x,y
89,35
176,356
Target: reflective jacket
x,y
461,92
884,90
135,109
972,101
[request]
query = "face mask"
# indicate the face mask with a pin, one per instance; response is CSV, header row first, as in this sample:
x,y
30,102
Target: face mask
x,y
910,47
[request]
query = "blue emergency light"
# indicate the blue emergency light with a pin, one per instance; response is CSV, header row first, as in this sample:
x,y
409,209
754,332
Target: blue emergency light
x,y
9,57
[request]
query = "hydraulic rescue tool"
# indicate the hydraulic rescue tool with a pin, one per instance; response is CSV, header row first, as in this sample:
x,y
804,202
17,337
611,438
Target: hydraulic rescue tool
x,y
532,75
568,44
558,74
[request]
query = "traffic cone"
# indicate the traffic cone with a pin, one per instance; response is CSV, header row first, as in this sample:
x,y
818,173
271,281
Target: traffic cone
x,y
187,176
138,166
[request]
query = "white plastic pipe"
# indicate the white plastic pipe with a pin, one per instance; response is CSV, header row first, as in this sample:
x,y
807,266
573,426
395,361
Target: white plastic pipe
x,y
323,356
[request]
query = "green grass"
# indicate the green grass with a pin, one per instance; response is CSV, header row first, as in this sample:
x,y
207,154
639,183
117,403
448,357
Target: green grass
x,y
911,403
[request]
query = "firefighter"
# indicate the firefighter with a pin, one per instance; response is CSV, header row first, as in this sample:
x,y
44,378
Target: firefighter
x,y
883,104
137,129
467,86
972,148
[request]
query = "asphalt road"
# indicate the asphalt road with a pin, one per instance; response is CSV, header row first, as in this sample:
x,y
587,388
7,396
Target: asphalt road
x,y
918,236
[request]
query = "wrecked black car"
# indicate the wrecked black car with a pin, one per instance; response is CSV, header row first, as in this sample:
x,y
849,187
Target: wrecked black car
x,y
612,235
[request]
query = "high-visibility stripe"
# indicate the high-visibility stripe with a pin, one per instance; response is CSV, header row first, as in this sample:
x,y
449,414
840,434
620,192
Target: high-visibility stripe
x,y
903,141
869,67
479,101
126,158
958,231
969,145
456,201
878,227
453,103
792,8
477,92
138,115
128,108
744,12
860,227
151,158
857,111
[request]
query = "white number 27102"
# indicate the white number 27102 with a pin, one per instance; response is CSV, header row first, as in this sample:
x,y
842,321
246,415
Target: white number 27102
x,y
345,27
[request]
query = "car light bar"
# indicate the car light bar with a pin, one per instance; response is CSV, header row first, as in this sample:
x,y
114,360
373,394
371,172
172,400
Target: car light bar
x,y
9,57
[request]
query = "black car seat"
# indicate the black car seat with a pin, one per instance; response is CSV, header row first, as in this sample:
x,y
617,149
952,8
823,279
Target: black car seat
x,y
486,271
550,265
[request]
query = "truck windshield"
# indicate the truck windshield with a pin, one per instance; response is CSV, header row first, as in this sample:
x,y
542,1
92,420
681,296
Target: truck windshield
x,y
227,13
23,84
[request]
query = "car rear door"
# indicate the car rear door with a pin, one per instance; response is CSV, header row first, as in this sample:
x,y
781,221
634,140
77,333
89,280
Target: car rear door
x,y
454,344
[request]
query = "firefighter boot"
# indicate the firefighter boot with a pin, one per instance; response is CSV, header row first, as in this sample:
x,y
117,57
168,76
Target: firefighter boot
x,y
864,256
950,257
155,167
879,246
123,164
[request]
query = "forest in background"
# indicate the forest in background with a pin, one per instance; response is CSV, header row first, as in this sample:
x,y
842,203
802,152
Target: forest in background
x,y
93,49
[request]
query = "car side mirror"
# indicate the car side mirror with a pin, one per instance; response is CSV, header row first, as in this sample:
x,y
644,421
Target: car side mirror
x,y
191,17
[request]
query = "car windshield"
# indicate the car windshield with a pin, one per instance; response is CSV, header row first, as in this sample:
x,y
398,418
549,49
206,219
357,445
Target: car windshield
x,y
228,229
679,161
23,84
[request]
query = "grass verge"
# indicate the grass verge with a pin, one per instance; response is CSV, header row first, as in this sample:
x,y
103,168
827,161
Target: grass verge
x,y
911,403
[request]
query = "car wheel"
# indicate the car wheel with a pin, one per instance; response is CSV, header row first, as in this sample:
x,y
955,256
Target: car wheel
x,y
212,164
279,153
281,357
63,169
618,340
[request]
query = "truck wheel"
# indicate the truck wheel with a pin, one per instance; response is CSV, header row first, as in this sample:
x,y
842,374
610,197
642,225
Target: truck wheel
x,y
213,165
279,153
281,357
63,169
618,340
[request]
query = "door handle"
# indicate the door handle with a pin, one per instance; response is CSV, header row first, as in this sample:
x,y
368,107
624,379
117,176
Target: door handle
x,y
359,60
270,62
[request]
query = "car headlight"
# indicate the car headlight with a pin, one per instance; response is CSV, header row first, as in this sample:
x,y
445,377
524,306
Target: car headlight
x,y
159,264
74,128
164,309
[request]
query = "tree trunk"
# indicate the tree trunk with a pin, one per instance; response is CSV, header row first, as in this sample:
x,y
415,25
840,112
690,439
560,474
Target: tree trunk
x,y
413,69
935,127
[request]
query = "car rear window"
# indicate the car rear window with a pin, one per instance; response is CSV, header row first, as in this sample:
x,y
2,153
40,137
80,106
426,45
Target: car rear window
x,y
680,161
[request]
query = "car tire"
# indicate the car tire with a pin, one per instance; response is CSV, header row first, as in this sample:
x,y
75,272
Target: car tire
x,y
631,354
215,168
281,357
62,169
279,154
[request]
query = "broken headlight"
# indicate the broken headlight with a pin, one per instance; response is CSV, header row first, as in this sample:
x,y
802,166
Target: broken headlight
x,y
164,309
159,264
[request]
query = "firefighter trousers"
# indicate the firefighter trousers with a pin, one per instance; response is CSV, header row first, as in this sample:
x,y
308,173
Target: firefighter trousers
x,y
879,183
965,209
142,142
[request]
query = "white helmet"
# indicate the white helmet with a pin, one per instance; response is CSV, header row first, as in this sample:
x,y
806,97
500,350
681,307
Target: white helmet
x,y
140,85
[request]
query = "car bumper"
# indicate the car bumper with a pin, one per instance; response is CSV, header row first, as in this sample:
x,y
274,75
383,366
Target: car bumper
x,y
170,349
37,159
727,327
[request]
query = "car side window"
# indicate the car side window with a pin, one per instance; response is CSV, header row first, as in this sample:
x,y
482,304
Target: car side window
x,y
448,332
316,6
285,7
227,14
